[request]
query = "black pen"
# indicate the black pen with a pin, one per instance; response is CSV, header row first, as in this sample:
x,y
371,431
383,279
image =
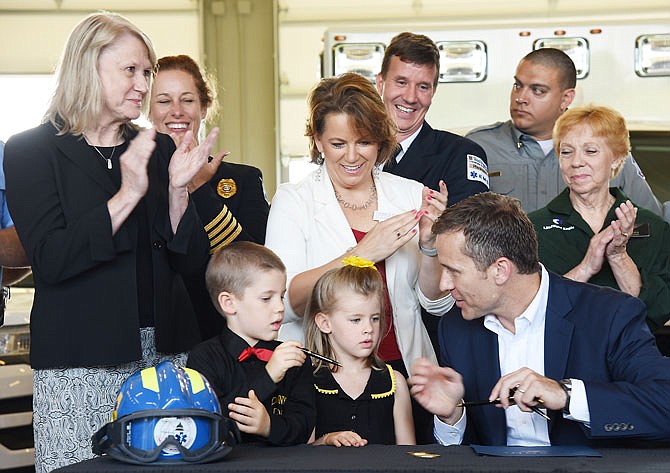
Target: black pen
x,y
321,357
535,409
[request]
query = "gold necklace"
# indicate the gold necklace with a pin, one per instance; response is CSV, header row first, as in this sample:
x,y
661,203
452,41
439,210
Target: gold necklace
x,y
354,207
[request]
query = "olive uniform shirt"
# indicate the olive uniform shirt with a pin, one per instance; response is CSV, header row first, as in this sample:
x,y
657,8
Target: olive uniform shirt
x,y
564,238
519,168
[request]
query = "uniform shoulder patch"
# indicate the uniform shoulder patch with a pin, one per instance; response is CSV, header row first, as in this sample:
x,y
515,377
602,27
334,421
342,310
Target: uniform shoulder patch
x,y
477,170
636,166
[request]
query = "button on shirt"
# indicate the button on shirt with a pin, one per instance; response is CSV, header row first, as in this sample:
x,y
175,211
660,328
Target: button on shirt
x,y
518,350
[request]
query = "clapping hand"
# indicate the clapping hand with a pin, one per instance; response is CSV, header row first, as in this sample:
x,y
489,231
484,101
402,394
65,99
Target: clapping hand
x,y
386,237
134,162
207,171
621,229
188,159
433,204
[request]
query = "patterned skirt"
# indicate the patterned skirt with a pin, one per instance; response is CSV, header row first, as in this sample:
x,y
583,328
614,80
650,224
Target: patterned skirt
x,y
71,404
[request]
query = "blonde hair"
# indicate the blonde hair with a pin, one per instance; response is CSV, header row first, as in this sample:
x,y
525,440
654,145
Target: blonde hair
x,y
78,100
605,122
326,298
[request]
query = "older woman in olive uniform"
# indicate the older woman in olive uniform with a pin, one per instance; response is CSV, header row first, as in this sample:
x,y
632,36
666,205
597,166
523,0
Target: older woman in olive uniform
x,y
592,232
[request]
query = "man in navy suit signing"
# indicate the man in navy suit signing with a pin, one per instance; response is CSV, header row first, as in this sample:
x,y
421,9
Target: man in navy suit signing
x,y
540,343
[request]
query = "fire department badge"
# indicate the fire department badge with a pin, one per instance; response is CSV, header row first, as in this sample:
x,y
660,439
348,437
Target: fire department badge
x,y
226,188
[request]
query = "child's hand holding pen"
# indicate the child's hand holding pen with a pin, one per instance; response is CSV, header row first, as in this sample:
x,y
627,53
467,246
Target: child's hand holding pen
x,y
286,356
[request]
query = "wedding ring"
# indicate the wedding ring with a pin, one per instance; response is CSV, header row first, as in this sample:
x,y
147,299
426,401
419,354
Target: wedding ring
x,y
624,234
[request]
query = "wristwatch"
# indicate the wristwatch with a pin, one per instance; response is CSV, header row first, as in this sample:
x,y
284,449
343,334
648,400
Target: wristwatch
x,y
566,384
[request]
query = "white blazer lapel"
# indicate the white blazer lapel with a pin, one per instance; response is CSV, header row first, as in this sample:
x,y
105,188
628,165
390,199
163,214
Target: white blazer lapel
x,y
332,230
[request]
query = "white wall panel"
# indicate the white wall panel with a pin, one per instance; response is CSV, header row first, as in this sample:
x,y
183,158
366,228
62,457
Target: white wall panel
x,y
32,41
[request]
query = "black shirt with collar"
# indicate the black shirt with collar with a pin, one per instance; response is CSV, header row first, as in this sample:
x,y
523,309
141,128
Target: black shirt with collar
x,y
290,403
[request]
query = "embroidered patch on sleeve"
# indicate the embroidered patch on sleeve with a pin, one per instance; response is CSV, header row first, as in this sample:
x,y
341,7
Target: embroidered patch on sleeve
x,y
477,170
637,167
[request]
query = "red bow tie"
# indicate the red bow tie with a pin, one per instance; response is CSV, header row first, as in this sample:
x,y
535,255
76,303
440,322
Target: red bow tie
x,y
262,354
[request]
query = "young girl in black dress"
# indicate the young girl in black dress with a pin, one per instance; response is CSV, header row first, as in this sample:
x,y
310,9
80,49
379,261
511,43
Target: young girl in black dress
x,y
364,400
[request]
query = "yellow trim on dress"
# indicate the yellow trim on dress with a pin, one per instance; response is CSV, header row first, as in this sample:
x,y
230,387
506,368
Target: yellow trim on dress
x,y
388,393
393,386
326,391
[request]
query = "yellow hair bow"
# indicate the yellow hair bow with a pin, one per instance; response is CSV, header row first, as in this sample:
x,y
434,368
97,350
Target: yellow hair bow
x,y
358,262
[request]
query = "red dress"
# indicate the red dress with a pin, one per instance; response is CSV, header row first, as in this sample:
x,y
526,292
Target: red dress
x,y
388,347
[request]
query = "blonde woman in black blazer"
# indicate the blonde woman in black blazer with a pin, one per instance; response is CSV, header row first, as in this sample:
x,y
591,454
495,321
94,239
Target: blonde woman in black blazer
x,y
103,212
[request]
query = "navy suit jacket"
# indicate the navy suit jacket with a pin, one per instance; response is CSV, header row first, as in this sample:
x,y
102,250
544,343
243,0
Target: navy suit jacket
x,y
436,155
594,334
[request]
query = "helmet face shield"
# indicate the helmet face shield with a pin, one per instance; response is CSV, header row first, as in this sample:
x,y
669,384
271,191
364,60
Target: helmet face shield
x,y
174,436
188,428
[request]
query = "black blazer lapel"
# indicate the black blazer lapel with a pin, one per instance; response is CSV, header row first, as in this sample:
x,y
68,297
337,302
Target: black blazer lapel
x,y
76,150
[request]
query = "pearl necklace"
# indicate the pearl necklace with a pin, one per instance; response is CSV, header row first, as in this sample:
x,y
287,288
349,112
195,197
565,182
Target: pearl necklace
x,y
363,206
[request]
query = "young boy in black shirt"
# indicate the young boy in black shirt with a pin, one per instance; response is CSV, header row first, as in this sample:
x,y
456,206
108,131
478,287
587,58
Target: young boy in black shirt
x,y
264,385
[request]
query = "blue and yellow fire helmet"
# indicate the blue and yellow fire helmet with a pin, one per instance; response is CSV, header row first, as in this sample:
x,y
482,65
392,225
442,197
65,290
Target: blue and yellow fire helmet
x,y
166,414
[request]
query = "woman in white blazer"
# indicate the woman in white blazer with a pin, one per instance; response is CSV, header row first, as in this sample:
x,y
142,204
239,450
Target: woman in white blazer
x,y
349,207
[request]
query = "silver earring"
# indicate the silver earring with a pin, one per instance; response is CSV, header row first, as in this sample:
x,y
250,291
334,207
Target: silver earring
x,y
320,159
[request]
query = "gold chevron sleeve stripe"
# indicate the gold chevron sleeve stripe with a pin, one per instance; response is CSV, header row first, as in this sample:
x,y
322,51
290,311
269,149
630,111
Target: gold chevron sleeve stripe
x,y
223,230
216,247
222,221
220,217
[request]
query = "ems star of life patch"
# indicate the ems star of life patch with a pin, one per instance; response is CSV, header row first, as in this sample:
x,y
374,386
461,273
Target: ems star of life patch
x,y
477,170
